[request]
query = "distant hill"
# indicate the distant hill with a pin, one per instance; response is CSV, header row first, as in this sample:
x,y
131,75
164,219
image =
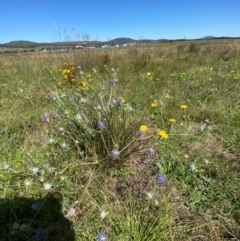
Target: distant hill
x,y
116,41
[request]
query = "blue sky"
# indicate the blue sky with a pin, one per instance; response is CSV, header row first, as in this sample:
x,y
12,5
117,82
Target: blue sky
x,y
45,20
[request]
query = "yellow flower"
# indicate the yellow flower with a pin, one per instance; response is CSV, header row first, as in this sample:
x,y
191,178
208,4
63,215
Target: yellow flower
x,y
167,96
154,104
172,120
163,134
123,100
183,107
182,75
88,76
143,128
83,85
148,74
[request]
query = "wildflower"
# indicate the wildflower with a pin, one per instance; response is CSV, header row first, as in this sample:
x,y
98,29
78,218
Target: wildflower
x,y
51,140
183,107
78,117
115,154
71,212
27,182
148,74
23,227
154,104
6,166
35,171
15,227
101,126
39,235
140,133
111,82
182,75
167,96
46,118
120,101
50,169
128,107
172,120
103,214
192,167
61,129
83,100
149,195
47,186
64,145
37,205
202,127
101,236
163,134
150,152
143,128
161,178
83,85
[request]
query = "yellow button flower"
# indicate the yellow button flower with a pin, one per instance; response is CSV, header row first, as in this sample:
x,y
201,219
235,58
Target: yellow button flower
x,y
154,104
143,128
172,120
183,107
163,134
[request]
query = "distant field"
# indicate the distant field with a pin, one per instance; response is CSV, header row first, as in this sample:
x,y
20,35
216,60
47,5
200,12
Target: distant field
x,y
134,143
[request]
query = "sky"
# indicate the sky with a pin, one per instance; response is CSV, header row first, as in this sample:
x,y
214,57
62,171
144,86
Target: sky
x,y
103,20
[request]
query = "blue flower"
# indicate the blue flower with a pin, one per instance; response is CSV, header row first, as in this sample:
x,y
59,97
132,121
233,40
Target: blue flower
x,y
115,154
46,118
39,235
101,125
37,205
101,236
111,82
150,152
161,178
140,133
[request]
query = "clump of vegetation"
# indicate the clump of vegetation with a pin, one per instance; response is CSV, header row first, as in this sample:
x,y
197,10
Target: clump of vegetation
x,y
143,147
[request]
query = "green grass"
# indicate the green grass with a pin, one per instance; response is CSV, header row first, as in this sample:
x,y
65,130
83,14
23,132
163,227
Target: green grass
x,y
69,165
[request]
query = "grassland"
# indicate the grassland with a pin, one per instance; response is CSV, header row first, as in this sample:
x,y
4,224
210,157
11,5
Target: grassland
x,y
137,143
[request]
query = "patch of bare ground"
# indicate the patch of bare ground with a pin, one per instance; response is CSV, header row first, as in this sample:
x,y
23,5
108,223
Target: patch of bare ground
x,y
212,145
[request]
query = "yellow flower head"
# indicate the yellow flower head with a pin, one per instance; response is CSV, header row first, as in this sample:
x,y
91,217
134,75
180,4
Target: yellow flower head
x,y
182,75
123,100
154,104
163,134
143,128
89,76
83,85
172,120
167,96
183,107
148,74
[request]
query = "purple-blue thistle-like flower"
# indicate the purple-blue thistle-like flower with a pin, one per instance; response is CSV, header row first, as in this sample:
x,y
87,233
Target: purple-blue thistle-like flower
x,y
161,178
115,154
37,205
140,133
39,235
150,152
46,118
111,82
101,126
101,236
